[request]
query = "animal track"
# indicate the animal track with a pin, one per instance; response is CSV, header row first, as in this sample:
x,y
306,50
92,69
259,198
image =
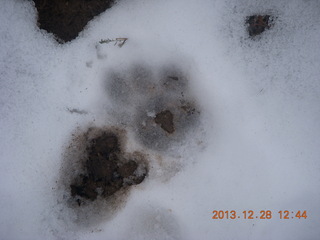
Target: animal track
x,y
159,103
97,172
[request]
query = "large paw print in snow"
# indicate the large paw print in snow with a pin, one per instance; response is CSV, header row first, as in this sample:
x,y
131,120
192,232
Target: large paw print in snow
x,y
99,167
158,105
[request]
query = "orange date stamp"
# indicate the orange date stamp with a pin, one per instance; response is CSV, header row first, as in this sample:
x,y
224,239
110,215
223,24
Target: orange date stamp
x,y
263,214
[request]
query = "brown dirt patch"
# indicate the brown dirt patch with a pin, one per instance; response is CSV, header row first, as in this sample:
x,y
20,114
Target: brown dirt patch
x,y
66,18
165,120
106,170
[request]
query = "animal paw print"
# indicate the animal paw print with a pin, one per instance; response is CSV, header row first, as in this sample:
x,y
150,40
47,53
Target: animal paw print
x,y
159,103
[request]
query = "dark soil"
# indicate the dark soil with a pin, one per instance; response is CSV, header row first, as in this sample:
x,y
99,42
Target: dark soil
x,y
258,24
106,170
66,18
165,120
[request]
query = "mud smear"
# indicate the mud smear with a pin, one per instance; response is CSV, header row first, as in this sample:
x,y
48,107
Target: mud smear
x,y
257,24
97,173
66,18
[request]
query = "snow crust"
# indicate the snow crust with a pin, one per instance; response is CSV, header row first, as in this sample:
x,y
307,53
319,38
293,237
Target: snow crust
x,y
258,147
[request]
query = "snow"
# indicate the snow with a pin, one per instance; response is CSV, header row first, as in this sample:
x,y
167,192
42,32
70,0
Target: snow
x,y
256,146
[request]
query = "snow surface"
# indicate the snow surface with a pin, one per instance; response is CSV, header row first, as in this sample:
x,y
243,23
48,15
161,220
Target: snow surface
x,y
260,118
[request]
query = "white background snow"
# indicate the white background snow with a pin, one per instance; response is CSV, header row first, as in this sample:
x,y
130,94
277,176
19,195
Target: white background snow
x,y
260,115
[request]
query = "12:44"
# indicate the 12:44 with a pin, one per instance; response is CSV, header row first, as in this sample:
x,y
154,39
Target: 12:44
x,y
285,214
